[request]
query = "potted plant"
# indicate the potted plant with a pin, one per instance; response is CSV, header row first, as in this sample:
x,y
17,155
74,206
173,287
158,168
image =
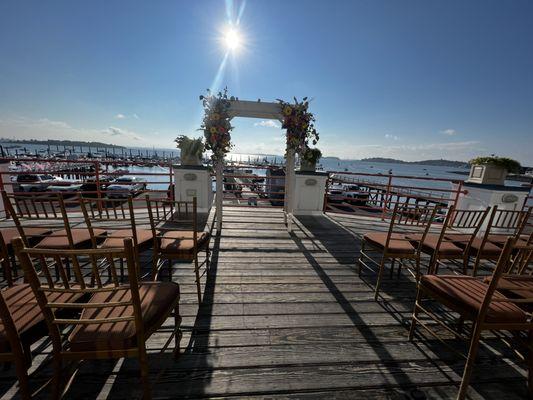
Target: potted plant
x,y
309,158
191,150
492,170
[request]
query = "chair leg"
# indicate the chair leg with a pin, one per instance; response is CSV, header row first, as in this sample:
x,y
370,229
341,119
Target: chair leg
x,y
57,385
155,261
145,380
530,364
22,375
178,333
197,273
359,265
475,266
393,261
472,352
415,314
380,277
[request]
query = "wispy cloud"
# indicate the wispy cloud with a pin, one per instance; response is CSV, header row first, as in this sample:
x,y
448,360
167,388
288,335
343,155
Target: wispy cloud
x,y
120,116
393,137
449,132
43,128
135,116
268,124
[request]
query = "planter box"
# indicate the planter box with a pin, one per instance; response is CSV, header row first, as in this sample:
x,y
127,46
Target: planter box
x,y
487,174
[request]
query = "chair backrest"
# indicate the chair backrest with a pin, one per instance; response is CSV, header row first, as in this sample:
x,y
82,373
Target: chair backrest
x,y
4,262
504,260
168,215
522,258
462,221
34,210
108,214
15,346
34,261
509,222
408,218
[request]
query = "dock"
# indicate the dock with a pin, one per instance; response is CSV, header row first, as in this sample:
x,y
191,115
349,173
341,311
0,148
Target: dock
x,y
285,315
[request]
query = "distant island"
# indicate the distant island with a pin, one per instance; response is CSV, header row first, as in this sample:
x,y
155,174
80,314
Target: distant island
x,y
54,142
442,163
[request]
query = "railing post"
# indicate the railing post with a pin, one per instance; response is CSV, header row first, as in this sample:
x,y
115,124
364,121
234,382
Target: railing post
x,y
219,194
457,194
98,189
386,198
171,187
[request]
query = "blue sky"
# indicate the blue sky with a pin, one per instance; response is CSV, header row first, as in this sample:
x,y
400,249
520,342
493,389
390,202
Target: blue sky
x,y
404,79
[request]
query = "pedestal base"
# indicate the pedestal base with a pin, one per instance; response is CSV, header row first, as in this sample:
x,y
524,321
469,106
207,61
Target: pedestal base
x,y
193,181
309,192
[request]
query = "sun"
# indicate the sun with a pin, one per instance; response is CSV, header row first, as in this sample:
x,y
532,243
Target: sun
x,y
232,39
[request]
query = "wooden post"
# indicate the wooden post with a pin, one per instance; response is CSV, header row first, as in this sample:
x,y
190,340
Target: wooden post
x,y
388,196
219,194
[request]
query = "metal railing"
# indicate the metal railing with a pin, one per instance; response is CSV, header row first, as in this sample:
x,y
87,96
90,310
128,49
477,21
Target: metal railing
x,y
90,178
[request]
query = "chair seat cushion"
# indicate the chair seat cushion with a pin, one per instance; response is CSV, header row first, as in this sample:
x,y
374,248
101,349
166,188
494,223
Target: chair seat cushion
x,y
516,286
465,294
398,243
158,299
34,235
446,247
489,249
116,238
26,314
59,239
181,243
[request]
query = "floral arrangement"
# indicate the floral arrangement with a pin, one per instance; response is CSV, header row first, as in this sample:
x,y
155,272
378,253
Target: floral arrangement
x,y
191,150
216,124
299,123
503,162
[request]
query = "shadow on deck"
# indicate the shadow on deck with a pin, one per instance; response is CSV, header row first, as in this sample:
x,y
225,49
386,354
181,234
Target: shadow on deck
x,y
287,316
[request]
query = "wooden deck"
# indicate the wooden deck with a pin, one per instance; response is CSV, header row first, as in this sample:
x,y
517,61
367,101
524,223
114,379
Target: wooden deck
x,y
286,316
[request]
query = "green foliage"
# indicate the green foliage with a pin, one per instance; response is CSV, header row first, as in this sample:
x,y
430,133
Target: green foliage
x,y
299,123
311,155
190,147
216,123
503,162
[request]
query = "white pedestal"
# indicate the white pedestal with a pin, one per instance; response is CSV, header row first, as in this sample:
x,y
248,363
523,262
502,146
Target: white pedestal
x,y
480,196
192,181
309,191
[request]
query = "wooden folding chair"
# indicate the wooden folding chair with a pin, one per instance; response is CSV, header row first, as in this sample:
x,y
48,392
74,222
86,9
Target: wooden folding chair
x,y
117,218
395,244
175,225
477,301
47,212
21,324
501,224
115,321
439,247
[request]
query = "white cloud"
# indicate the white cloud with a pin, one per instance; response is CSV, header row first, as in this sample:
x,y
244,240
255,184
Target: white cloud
x,y
44,128
135,116
449,132
120,116
393,137
268,124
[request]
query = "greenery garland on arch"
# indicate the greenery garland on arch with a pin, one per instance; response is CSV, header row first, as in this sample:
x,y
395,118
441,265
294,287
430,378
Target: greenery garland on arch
x,y
299,123
216,124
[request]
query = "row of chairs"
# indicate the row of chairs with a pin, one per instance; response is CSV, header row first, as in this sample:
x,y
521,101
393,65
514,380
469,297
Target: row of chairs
x,y
462,242
463,236
83,318
51,222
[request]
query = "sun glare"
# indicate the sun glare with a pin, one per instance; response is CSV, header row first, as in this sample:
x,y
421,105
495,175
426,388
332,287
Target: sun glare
x,y
232,40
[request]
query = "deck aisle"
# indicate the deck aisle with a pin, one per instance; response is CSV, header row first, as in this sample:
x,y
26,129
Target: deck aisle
x,y
286,315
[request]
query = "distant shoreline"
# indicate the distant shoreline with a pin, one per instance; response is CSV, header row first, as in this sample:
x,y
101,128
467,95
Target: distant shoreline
x,y
55,142
440,163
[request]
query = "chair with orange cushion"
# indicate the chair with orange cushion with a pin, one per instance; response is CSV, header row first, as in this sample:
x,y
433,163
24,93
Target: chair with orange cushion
x,y
21,324
395,245
439,247
500,225
477,301
115,320
117,217
31,211
175,226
